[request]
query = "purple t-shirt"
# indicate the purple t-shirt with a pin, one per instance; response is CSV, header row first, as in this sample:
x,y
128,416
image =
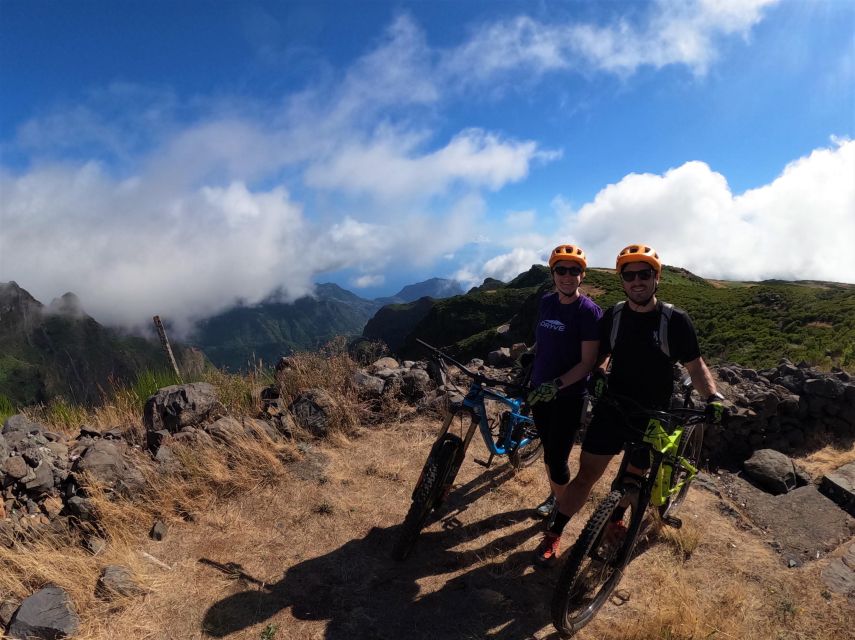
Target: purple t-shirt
x,y
561,329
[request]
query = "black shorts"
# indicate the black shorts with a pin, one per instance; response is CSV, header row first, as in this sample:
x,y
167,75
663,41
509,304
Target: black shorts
x,y
557,424
608,433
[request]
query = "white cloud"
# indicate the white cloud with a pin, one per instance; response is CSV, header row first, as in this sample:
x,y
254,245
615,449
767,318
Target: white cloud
x,y
520,219
186,211
684,33
800,226
367,280
389,166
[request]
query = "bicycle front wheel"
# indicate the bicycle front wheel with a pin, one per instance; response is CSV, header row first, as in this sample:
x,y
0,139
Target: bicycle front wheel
x,y
436,478
690,449
594,566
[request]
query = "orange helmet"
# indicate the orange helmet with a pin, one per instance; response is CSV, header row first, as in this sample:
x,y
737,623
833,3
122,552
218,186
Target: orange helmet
x,y
639,253
567,252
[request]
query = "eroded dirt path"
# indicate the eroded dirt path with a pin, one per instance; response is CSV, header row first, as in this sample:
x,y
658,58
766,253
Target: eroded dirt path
x,y
310,559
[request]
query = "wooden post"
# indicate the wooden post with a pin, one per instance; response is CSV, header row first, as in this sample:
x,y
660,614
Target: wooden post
x,y
164,342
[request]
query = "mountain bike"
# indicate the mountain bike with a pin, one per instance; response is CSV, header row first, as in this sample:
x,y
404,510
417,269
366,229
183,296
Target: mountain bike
x,y
512,434
595,563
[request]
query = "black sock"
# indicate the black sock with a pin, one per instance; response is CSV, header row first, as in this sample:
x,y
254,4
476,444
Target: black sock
x,y
559,521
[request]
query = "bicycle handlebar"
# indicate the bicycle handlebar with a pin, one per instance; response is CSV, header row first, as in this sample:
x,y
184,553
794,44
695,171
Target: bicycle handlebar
x,y
618,402
477,377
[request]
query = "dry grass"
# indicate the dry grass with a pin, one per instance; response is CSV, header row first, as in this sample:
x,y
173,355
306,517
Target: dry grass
x,y
827,458
308,553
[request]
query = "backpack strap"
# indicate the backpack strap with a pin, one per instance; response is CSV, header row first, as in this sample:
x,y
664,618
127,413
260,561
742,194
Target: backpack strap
x,y
666,309
615,323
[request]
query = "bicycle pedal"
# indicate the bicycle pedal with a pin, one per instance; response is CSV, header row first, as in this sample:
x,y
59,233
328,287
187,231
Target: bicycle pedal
x,y
672,521
483,463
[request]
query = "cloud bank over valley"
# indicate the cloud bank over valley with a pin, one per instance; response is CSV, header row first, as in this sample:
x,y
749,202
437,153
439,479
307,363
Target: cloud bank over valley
x,y
145,200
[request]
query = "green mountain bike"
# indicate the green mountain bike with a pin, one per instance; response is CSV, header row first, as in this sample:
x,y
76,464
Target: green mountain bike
x,y
595,564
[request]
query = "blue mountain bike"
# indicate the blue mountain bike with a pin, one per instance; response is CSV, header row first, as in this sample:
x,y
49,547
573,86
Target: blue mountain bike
x,y
511,434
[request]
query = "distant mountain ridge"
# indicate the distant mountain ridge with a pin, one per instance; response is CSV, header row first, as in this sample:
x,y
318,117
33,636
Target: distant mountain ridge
x,y
432,288
60,350
245,334
750,323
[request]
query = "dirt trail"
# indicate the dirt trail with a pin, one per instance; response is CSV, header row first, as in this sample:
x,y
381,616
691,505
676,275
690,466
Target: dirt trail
x,y
310,559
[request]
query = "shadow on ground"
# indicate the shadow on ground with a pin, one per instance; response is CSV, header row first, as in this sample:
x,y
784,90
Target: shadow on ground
x,y
363,593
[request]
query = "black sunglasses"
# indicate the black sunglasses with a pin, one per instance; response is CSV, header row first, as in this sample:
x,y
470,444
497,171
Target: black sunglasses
x,y
563,271
629,276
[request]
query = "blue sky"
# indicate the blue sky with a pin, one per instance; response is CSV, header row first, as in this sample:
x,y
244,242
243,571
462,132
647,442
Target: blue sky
x,y
162,157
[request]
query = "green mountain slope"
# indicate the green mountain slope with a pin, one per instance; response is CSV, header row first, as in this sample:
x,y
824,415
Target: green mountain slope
x,y
243,335
61,351
750,323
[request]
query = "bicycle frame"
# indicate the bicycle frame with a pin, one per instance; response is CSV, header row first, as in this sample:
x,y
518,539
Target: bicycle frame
x,y
474,401
666,445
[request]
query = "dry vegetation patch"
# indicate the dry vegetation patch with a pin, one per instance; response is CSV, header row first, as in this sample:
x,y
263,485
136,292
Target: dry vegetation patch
x,y
292,540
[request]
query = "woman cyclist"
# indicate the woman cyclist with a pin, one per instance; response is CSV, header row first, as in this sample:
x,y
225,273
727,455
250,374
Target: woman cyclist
x,y
567,341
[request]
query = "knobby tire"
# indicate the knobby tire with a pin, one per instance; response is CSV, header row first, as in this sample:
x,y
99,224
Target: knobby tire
x,y
437,476
689,448
586,581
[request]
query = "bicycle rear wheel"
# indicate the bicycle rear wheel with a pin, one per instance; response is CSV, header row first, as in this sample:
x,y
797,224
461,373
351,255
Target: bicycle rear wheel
x,y
594,566
526,455
436,478
690,449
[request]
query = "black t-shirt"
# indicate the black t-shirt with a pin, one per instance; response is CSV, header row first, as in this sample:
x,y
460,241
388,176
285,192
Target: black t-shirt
x,y
639,369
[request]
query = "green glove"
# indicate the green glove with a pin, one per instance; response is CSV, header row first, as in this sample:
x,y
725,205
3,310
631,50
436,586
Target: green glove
x,y
716,412
598,383
544,393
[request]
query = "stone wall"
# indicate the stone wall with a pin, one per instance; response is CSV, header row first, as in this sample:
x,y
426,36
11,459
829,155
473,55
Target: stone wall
x,y
790,408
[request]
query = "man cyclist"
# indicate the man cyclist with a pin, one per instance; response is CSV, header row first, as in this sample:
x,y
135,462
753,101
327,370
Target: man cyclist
x,y
566,350
640,370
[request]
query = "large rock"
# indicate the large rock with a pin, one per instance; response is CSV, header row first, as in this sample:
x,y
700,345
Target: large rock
x,y
315,410
384,363
47,614
104,461
839,485
367,386
415,384
772,470
179,406
4,450
19,432
824,387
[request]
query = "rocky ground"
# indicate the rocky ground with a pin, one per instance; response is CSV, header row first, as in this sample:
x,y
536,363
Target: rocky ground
x,y
298,545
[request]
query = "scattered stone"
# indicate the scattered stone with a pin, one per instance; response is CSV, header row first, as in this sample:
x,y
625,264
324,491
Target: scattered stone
x,y
81,507
839,577
384,363
178,406
16,467
772,470
95,544
7,610
839,485
415,384
52,506
116,580
315,411
367,386
48,614
158,531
